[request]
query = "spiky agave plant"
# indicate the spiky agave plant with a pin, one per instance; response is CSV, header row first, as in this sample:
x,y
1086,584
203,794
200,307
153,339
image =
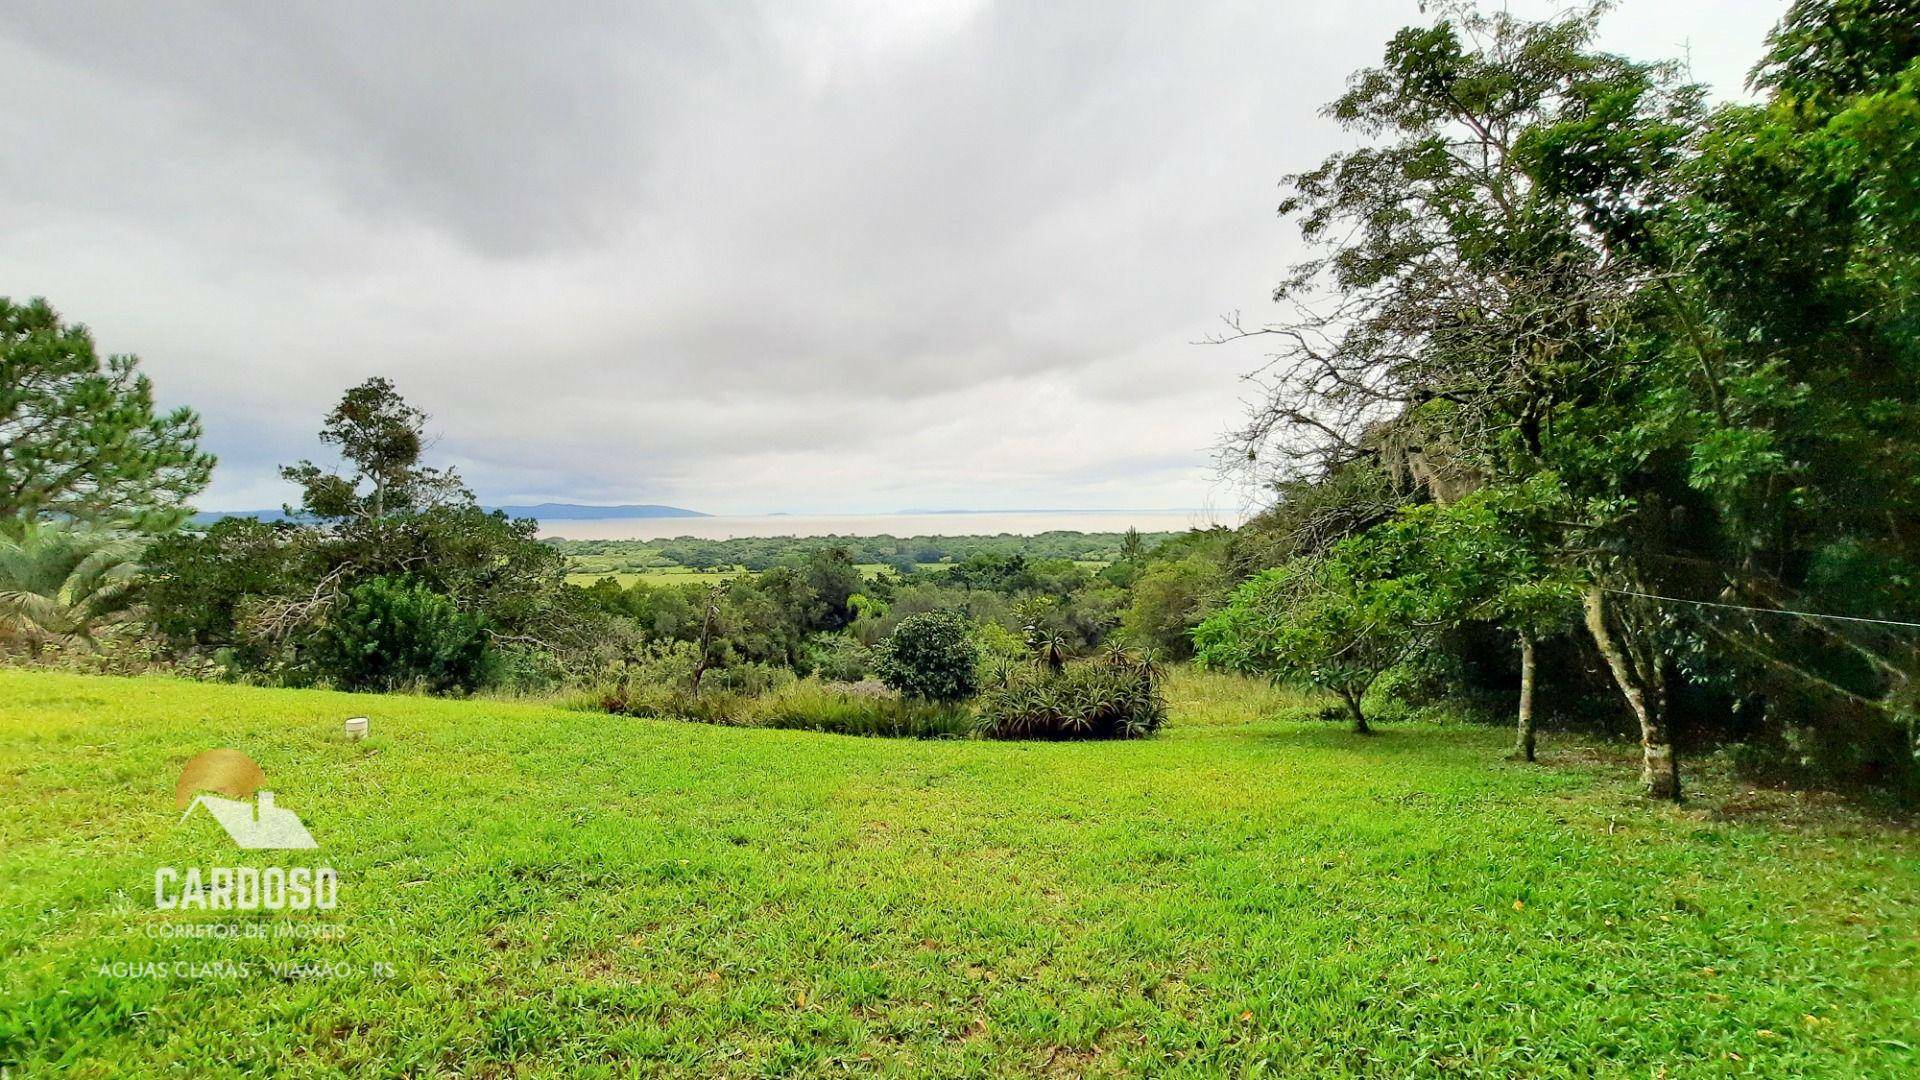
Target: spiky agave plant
x,y
1049,648
1092,699
63,585
1000,671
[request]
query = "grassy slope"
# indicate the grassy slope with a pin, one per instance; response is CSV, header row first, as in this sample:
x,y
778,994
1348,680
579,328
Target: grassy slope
x,y
566,893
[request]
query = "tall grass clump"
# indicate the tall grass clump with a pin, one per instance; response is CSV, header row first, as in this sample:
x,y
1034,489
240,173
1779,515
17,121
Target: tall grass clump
x,y
811,704
865,708
1115,697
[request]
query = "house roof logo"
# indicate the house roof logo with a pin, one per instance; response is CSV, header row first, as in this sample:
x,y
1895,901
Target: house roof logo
x,y
221,781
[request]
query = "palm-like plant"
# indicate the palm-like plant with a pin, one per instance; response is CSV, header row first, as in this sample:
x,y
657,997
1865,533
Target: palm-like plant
x,y
64,585
1085,700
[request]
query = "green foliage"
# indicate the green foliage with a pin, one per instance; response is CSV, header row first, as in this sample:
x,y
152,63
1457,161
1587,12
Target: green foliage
x,y
906,554
839,658
79,436
1171,598
64,585
672,703
1687,333
381,438
932,656
1487,557
268,598
1310,515
388,634
834,579
199,585
1824,52
1113,697
1322,622
751,696
866,709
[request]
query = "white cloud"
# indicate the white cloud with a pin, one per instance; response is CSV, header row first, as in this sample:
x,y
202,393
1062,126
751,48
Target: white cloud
x,y
839,256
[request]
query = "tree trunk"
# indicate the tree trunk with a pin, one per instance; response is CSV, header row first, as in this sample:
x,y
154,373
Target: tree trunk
x,y
1353,708
1646,696
706,637
1523,738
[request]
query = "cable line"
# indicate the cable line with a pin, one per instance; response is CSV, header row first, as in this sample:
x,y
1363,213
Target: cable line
x,y
1763,610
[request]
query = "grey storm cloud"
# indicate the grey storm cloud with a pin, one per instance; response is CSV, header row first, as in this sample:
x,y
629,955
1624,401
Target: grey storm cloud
x,y
742,256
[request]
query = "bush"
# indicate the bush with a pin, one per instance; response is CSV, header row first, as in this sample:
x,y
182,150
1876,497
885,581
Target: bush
x,y
801,705
857,709
674,703
525,670
1117,697
1169,600
388,634
930,656
750,679
839,658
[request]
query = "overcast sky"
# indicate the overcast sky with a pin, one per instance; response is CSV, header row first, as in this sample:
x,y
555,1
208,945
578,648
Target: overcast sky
x,y
739,257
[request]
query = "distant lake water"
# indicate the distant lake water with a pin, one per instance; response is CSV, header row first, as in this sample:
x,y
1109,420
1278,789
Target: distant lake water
x,y
987,524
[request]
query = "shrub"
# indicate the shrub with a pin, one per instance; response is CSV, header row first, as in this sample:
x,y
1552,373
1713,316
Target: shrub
x,y
658,702
866,708
931,656
1321,621
1170,599
748,680
839,658
857,709
996,641
525,670
388,634
1117,697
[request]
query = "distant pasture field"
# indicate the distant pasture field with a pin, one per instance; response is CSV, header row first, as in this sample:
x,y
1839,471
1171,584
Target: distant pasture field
x,y
528,891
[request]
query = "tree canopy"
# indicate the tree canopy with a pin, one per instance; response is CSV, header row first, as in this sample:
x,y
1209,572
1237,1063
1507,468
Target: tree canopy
x,y
80,435
1558,276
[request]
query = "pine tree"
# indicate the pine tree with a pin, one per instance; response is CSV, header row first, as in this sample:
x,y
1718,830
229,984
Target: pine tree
x,y
79,435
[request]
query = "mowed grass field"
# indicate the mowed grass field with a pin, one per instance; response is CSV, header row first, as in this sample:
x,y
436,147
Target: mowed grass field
x,y
1250,893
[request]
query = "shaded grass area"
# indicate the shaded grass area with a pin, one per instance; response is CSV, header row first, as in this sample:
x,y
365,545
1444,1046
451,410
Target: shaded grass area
x,y
570,894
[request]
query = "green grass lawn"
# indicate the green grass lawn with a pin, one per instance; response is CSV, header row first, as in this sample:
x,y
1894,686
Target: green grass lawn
x,y
570,894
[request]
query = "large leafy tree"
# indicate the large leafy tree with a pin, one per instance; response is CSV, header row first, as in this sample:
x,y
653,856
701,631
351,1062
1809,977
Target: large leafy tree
x,y
380,534
381,439
80,436
1488,557
1170,598
1554,266
1798,302
1464,320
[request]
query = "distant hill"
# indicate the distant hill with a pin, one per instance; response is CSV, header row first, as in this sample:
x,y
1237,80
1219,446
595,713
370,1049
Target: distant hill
x,y
543,511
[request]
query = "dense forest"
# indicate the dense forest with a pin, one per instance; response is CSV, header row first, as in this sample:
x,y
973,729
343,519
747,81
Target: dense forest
x,y
904,553
1587,372
1596,403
